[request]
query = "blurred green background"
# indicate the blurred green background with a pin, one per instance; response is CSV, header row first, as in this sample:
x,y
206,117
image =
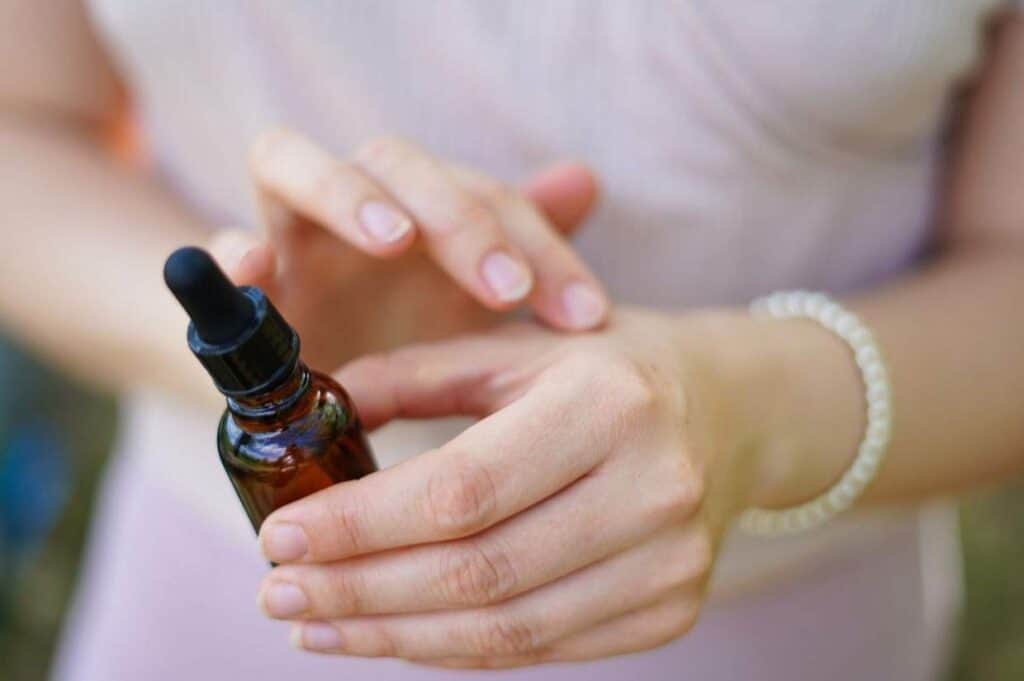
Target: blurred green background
x,y
54,439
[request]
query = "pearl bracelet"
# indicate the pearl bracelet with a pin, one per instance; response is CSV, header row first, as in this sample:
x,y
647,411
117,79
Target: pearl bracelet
x,y
878,399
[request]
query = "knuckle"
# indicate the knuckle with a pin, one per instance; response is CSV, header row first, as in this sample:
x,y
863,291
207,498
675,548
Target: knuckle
x,y
676,621
685,619
619,376
369,368
346,593
638,397
684,491
347,520
585,368
623,387
498,193
474,575
470,214
267,145
692,489
502,634
461,499
701,551
382,152
336,180
669,634
384,643
678,497
405,361
688,562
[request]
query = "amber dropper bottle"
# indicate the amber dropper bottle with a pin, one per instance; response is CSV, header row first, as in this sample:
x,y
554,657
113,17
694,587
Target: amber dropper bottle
x,y
287,431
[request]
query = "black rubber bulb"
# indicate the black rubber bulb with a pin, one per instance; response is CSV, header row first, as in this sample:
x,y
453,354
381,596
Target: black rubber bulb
x,y
219,310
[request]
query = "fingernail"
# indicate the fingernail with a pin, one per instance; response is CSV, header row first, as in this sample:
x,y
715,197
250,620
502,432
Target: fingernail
x,y
281,599
383,223
583,304
283,542
315,636
508,278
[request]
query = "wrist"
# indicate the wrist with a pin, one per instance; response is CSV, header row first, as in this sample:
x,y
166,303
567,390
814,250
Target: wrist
x,y
789,408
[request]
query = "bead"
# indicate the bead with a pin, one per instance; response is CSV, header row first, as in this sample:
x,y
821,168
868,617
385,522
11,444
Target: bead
x,y
814,304
849,487
829,314
859,338
845,325
771,524
877,393
878,401
878,410
877,431
862,473
836,499
877,441
865,466
874,372
867,355
777,307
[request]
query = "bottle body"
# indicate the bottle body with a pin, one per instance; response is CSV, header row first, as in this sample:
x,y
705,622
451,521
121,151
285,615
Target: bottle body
x,y
301,438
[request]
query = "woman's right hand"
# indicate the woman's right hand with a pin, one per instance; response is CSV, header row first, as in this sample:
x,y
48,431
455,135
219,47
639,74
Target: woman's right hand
x,y
393,245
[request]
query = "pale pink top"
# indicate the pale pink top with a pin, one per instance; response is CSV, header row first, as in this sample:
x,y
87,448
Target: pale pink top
x,y
743,147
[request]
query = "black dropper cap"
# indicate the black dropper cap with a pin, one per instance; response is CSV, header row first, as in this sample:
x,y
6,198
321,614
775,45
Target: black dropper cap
x,y
236,333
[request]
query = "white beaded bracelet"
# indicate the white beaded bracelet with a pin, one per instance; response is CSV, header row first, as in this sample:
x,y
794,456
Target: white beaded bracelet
x,y
878,399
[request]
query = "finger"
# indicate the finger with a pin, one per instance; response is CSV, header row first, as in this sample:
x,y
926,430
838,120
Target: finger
x,y
630,633
229,246
318,186
515,556
633,632
245,258
460,231
567,295
257,268
501,465
469,376
565,193
525,625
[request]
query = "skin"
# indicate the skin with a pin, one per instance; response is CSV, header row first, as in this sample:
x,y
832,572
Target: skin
x,y
60,99
317,256
580,517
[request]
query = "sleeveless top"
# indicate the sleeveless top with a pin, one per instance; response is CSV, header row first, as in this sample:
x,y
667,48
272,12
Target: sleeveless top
x,y
743,147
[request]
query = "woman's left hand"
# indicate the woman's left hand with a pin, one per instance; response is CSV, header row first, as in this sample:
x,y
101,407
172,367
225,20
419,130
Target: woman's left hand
x,y
578,519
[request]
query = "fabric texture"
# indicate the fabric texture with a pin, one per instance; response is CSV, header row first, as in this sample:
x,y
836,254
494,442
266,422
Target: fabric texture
x,y
857,619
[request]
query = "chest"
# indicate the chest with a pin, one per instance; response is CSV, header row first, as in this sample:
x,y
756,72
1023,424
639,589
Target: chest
x,y
710,122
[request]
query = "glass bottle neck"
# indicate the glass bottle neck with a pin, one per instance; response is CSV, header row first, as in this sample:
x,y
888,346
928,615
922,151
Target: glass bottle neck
x,y
276,402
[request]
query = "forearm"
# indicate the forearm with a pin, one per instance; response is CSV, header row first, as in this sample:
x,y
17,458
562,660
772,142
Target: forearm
x,y
952,334
84,241
953,339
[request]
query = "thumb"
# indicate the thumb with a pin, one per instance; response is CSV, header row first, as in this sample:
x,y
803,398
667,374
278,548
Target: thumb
x,y
565,192
463,377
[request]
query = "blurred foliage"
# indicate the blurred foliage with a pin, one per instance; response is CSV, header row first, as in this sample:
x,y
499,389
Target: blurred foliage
x,y
36,581
34,595
992,628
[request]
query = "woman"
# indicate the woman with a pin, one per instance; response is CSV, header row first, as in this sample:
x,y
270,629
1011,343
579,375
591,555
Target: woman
x,y
741,150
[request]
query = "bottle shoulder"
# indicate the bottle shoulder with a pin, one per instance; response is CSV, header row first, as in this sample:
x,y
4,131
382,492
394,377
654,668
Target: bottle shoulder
x,y
325,415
